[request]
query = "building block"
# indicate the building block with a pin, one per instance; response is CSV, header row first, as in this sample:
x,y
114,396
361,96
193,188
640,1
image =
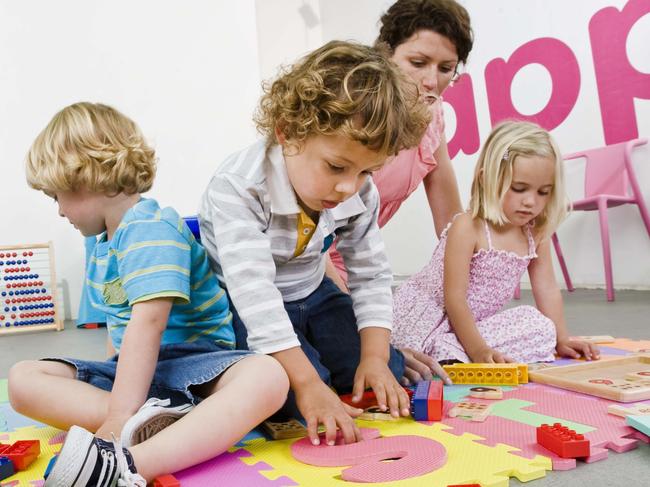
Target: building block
x,y
488,374
50,466
638,410
434,401
486,392
166,481
562,441
368,399
22,453
6,468
475,411
282,430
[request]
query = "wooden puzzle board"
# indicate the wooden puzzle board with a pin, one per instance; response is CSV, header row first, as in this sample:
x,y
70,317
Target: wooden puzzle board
x,y
611,379
28,300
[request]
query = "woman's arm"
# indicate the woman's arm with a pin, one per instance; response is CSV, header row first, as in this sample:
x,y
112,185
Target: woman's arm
x,y
442,189
332,272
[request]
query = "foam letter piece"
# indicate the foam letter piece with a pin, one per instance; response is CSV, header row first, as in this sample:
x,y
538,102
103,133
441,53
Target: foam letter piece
x,y
413,456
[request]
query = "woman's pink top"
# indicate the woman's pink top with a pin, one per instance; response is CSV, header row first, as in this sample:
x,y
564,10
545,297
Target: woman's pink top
x,y
401,176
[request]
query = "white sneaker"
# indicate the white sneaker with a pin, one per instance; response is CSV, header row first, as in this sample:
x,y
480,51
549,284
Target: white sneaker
x,y
154,416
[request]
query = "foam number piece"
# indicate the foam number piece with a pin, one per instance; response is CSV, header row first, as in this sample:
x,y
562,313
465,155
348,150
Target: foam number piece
x,y
412,456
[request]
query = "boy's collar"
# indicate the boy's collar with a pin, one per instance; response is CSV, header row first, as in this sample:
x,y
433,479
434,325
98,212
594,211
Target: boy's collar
x,y
283,198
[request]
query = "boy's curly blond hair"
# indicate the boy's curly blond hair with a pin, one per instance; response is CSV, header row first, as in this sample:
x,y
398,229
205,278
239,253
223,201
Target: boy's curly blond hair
x,y
348,89
93,147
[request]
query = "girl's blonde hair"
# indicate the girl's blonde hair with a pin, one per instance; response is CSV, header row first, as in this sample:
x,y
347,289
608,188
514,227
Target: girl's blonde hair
x,y
347,89
493,174
94,147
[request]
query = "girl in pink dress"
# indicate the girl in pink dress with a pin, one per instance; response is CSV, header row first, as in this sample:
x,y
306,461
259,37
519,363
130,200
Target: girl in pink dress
x,y
451,309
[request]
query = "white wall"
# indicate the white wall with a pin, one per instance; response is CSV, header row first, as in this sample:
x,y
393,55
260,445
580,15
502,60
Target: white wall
x,y
187,73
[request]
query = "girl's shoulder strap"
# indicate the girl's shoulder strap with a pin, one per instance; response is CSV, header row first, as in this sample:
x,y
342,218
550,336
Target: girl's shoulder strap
x,y
531,241
488,235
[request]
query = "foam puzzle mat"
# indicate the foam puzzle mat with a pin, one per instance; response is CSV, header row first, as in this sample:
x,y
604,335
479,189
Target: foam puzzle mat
x,y
488,453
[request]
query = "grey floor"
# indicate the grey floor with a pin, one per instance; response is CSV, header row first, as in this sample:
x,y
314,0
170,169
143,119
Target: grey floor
x,y
587,312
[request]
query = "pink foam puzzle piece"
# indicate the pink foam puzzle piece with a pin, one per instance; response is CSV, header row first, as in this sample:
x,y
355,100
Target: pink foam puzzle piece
x,y
228,469
411,456
610,432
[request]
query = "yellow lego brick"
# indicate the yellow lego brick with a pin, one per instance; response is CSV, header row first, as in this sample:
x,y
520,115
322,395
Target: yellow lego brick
x,y
488,374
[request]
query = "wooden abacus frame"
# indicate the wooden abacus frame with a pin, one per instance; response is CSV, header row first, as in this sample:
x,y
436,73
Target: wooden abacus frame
x,y
58,322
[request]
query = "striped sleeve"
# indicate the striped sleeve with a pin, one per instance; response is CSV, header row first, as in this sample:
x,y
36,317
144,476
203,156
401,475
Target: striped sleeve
x,y
232,226
369,275
153,260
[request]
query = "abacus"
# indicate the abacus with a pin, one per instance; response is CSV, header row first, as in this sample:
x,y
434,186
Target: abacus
x,y
28,300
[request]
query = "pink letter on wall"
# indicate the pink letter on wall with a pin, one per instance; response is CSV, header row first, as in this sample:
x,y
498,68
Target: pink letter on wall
x,y
618,82
412,456
561,64
461,98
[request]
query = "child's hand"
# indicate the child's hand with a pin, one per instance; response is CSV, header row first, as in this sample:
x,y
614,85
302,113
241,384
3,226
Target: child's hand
x,y
575,348
419,366
488,355
320,405
112,425
374,372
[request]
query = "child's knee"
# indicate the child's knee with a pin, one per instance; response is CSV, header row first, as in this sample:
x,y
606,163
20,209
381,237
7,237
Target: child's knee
x,y
19,383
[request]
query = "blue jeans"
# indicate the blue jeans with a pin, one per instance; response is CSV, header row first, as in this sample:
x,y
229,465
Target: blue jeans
x,y
326,326
180,367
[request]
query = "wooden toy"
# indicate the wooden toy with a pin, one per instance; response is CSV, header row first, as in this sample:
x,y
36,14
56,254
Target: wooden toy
x,y
486,392
642,375
373,413
282,430
602,378
562,441
638,410
22,453
6,468
596,339
410,456
426,403
28,300
474,411
166,481
488,374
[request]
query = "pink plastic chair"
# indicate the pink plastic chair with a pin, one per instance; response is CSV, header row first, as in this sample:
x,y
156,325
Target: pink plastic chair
x,y
609,181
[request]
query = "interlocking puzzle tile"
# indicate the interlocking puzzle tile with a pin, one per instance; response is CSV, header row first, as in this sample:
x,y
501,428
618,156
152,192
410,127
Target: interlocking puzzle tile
x,y
513,422
493,392
562,441
231,469
468,462
641,423
635,410
411,456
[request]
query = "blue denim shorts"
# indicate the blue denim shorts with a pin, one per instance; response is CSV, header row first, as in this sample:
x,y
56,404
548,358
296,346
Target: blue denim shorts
x,y
180,366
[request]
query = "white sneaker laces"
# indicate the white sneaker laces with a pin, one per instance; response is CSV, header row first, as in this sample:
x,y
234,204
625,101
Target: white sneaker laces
x,y
126,477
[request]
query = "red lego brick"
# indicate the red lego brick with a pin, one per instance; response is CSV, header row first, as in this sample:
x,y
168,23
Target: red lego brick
x,y
23,453
434,401
367,400
562,441
166,481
